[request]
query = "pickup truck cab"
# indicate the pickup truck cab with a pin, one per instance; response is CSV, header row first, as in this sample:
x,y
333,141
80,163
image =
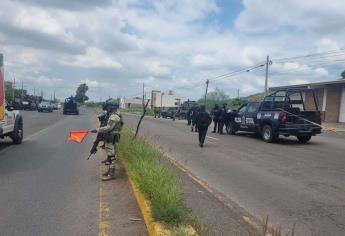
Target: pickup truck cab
x,y
284,112
11,125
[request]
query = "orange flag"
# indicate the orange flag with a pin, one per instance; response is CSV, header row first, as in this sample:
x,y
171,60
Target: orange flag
x,y
77,136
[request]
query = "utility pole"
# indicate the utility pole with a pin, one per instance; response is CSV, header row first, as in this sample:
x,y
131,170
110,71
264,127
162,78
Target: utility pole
x,y
54,96
143,95
14,87
238,94
268,62
207,82
22,91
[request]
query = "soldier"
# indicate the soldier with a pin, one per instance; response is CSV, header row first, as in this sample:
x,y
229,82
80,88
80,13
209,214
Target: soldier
x,y
112,135
222,118
215,115
189,116
203,120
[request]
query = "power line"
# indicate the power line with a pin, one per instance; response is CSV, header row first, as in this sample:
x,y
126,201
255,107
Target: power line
x,y
312,55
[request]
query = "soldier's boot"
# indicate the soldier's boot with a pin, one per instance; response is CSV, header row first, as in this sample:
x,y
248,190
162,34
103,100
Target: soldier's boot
x,y
110,175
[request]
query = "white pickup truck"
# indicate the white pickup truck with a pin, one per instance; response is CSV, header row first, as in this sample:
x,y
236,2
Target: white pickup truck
x,y
11,122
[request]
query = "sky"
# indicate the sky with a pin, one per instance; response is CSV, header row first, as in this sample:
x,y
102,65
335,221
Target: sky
x,y
117,45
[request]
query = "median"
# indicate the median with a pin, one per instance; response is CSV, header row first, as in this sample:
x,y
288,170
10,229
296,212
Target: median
x,y
156,187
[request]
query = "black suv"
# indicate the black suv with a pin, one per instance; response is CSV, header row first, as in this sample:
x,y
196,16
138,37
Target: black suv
x,y
70,106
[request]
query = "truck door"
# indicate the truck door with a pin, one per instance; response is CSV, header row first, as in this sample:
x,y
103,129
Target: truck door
x,y
250,116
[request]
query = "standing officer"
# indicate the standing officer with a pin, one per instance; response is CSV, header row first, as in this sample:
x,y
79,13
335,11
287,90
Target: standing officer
x,y
222,118
203,120
195,113
112,135
215,114
189,116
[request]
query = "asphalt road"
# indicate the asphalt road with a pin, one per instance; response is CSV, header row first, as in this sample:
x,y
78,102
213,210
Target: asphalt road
x,y
48,188
287,181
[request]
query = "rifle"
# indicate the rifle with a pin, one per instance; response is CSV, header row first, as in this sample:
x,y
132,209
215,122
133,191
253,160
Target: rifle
x,y
99,138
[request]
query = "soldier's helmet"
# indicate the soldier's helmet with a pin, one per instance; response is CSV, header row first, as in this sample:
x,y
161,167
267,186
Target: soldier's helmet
x,y
111,104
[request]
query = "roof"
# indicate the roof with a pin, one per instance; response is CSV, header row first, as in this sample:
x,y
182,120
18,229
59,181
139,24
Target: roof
x,y
317,84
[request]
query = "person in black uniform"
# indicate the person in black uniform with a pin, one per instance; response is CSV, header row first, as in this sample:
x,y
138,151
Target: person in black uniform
x,y
189,117
203,120
195,113
215,115
222,118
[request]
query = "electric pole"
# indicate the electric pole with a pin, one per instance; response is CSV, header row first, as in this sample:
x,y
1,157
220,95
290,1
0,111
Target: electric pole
x,y
14,87
22,91
143,95
238,94
207,82
268,62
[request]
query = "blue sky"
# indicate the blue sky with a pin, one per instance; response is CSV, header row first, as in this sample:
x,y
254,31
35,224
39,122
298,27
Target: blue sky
x,y
115,46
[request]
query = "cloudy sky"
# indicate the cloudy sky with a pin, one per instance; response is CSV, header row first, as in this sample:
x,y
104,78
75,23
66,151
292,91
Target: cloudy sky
x,y
116,45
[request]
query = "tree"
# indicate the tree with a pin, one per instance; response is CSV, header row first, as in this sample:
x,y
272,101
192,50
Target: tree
x,y
342,75
80,94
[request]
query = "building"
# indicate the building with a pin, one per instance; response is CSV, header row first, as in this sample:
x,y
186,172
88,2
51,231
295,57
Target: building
x,y
136,102
160,99
330,96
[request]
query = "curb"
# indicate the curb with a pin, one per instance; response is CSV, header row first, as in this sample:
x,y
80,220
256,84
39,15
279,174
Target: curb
x,y
153,228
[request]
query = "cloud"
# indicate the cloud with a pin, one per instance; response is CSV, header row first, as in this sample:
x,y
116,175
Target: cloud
x,y
68,4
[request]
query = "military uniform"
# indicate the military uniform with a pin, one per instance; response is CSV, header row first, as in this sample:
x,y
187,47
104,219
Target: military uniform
x,y
112,136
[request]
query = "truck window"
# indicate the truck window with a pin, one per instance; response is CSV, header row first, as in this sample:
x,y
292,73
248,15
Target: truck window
x,y
242,109
253,107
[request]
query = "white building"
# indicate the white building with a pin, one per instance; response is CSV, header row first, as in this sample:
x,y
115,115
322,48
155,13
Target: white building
x,y
161,99
131,102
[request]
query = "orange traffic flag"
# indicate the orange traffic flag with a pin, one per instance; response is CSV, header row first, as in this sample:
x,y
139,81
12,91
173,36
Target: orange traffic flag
x,y
77,136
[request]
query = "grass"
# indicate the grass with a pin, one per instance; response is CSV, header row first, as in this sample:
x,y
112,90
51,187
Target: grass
x,y
149,112
156,180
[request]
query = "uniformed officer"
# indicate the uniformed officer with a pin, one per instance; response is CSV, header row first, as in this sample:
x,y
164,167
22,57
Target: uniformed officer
x,y
112,135
215,115
222,118
203,120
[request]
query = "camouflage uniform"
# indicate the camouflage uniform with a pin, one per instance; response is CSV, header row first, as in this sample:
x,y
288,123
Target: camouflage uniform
x,y
112,137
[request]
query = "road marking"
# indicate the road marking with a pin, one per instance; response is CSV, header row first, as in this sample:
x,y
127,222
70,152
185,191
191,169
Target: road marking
x,y
212,137
103,224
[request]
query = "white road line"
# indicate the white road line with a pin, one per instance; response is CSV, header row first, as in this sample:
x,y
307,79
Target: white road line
x,y
212,137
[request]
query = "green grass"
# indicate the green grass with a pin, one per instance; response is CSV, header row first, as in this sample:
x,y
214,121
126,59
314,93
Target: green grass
x,y
149,112
156,180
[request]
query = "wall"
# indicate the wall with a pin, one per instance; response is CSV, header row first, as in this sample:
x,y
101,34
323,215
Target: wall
x,y
333,103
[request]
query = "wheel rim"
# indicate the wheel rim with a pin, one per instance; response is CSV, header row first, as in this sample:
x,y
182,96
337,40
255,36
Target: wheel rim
x,y
267,134
20,133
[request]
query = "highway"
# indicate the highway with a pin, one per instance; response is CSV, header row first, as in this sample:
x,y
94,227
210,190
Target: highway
x,y
48,188
286,181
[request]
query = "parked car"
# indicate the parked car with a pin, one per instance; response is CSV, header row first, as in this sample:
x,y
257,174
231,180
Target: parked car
x,y
170,112
45,106
70,106
284,112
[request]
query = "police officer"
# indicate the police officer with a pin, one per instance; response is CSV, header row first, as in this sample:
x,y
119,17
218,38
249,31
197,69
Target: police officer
x,y
222,118
203,120
189,116
195,113
112,135
215,114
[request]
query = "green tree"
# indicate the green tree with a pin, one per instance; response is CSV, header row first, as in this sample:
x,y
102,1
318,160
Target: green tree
x,y
80,94
342,75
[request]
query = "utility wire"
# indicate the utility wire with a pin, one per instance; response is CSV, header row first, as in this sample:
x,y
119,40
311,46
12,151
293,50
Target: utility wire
x,y
312,55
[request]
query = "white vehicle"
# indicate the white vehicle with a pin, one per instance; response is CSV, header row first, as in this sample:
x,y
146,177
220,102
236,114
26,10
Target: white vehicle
x,y
11,122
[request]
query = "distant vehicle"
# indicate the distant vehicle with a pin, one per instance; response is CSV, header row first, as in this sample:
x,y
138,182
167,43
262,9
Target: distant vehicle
x,y
59,106
55,106
170,112
45,106
28,105
284,112
70,106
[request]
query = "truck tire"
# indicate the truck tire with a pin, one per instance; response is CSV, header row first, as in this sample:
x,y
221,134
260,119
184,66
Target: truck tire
x,y
268,135
230,128
304,139
17,134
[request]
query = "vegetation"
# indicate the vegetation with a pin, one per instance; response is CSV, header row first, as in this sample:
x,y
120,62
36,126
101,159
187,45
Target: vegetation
x,y
342,75
80,94
149,112
155,180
